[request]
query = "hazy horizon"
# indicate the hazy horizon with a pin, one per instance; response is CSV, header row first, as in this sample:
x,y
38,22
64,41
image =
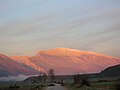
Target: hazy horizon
x,y
28,26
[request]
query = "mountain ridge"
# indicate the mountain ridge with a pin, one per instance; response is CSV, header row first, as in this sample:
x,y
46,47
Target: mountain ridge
x,y
67,61
63,49
64,56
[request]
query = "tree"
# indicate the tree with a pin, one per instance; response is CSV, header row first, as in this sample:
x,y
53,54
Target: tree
x,y
85,81
117,85
77,79
44,77
40,77
51,74
81,79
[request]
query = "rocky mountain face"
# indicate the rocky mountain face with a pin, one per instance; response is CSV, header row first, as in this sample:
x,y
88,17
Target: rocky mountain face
x,y
62,60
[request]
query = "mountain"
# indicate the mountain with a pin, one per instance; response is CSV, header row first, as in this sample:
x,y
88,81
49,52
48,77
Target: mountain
x,y
62,60
71,61
10,67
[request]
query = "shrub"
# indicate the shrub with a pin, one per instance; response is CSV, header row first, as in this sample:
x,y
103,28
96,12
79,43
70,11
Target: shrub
x,y
117,86
86,82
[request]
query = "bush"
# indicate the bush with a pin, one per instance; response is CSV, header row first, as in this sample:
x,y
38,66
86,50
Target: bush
x,y
117,86
14,87
51,84
86,82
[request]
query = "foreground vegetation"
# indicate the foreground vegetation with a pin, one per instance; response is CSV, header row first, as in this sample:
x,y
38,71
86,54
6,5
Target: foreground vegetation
x,y
70,82
94,86
18,86
67,85
23,86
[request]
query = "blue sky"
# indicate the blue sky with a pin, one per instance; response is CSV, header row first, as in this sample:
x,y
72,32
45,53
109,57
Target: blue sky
x,y
27,26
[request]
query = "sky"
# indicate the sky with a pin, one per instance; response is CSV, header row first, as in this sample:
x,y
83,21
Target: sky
x,y
28,26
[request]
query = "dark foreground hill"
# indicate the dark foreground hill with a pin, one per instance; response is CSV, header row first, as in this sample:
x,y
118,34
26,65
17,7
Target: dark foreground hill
x,y
113,71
